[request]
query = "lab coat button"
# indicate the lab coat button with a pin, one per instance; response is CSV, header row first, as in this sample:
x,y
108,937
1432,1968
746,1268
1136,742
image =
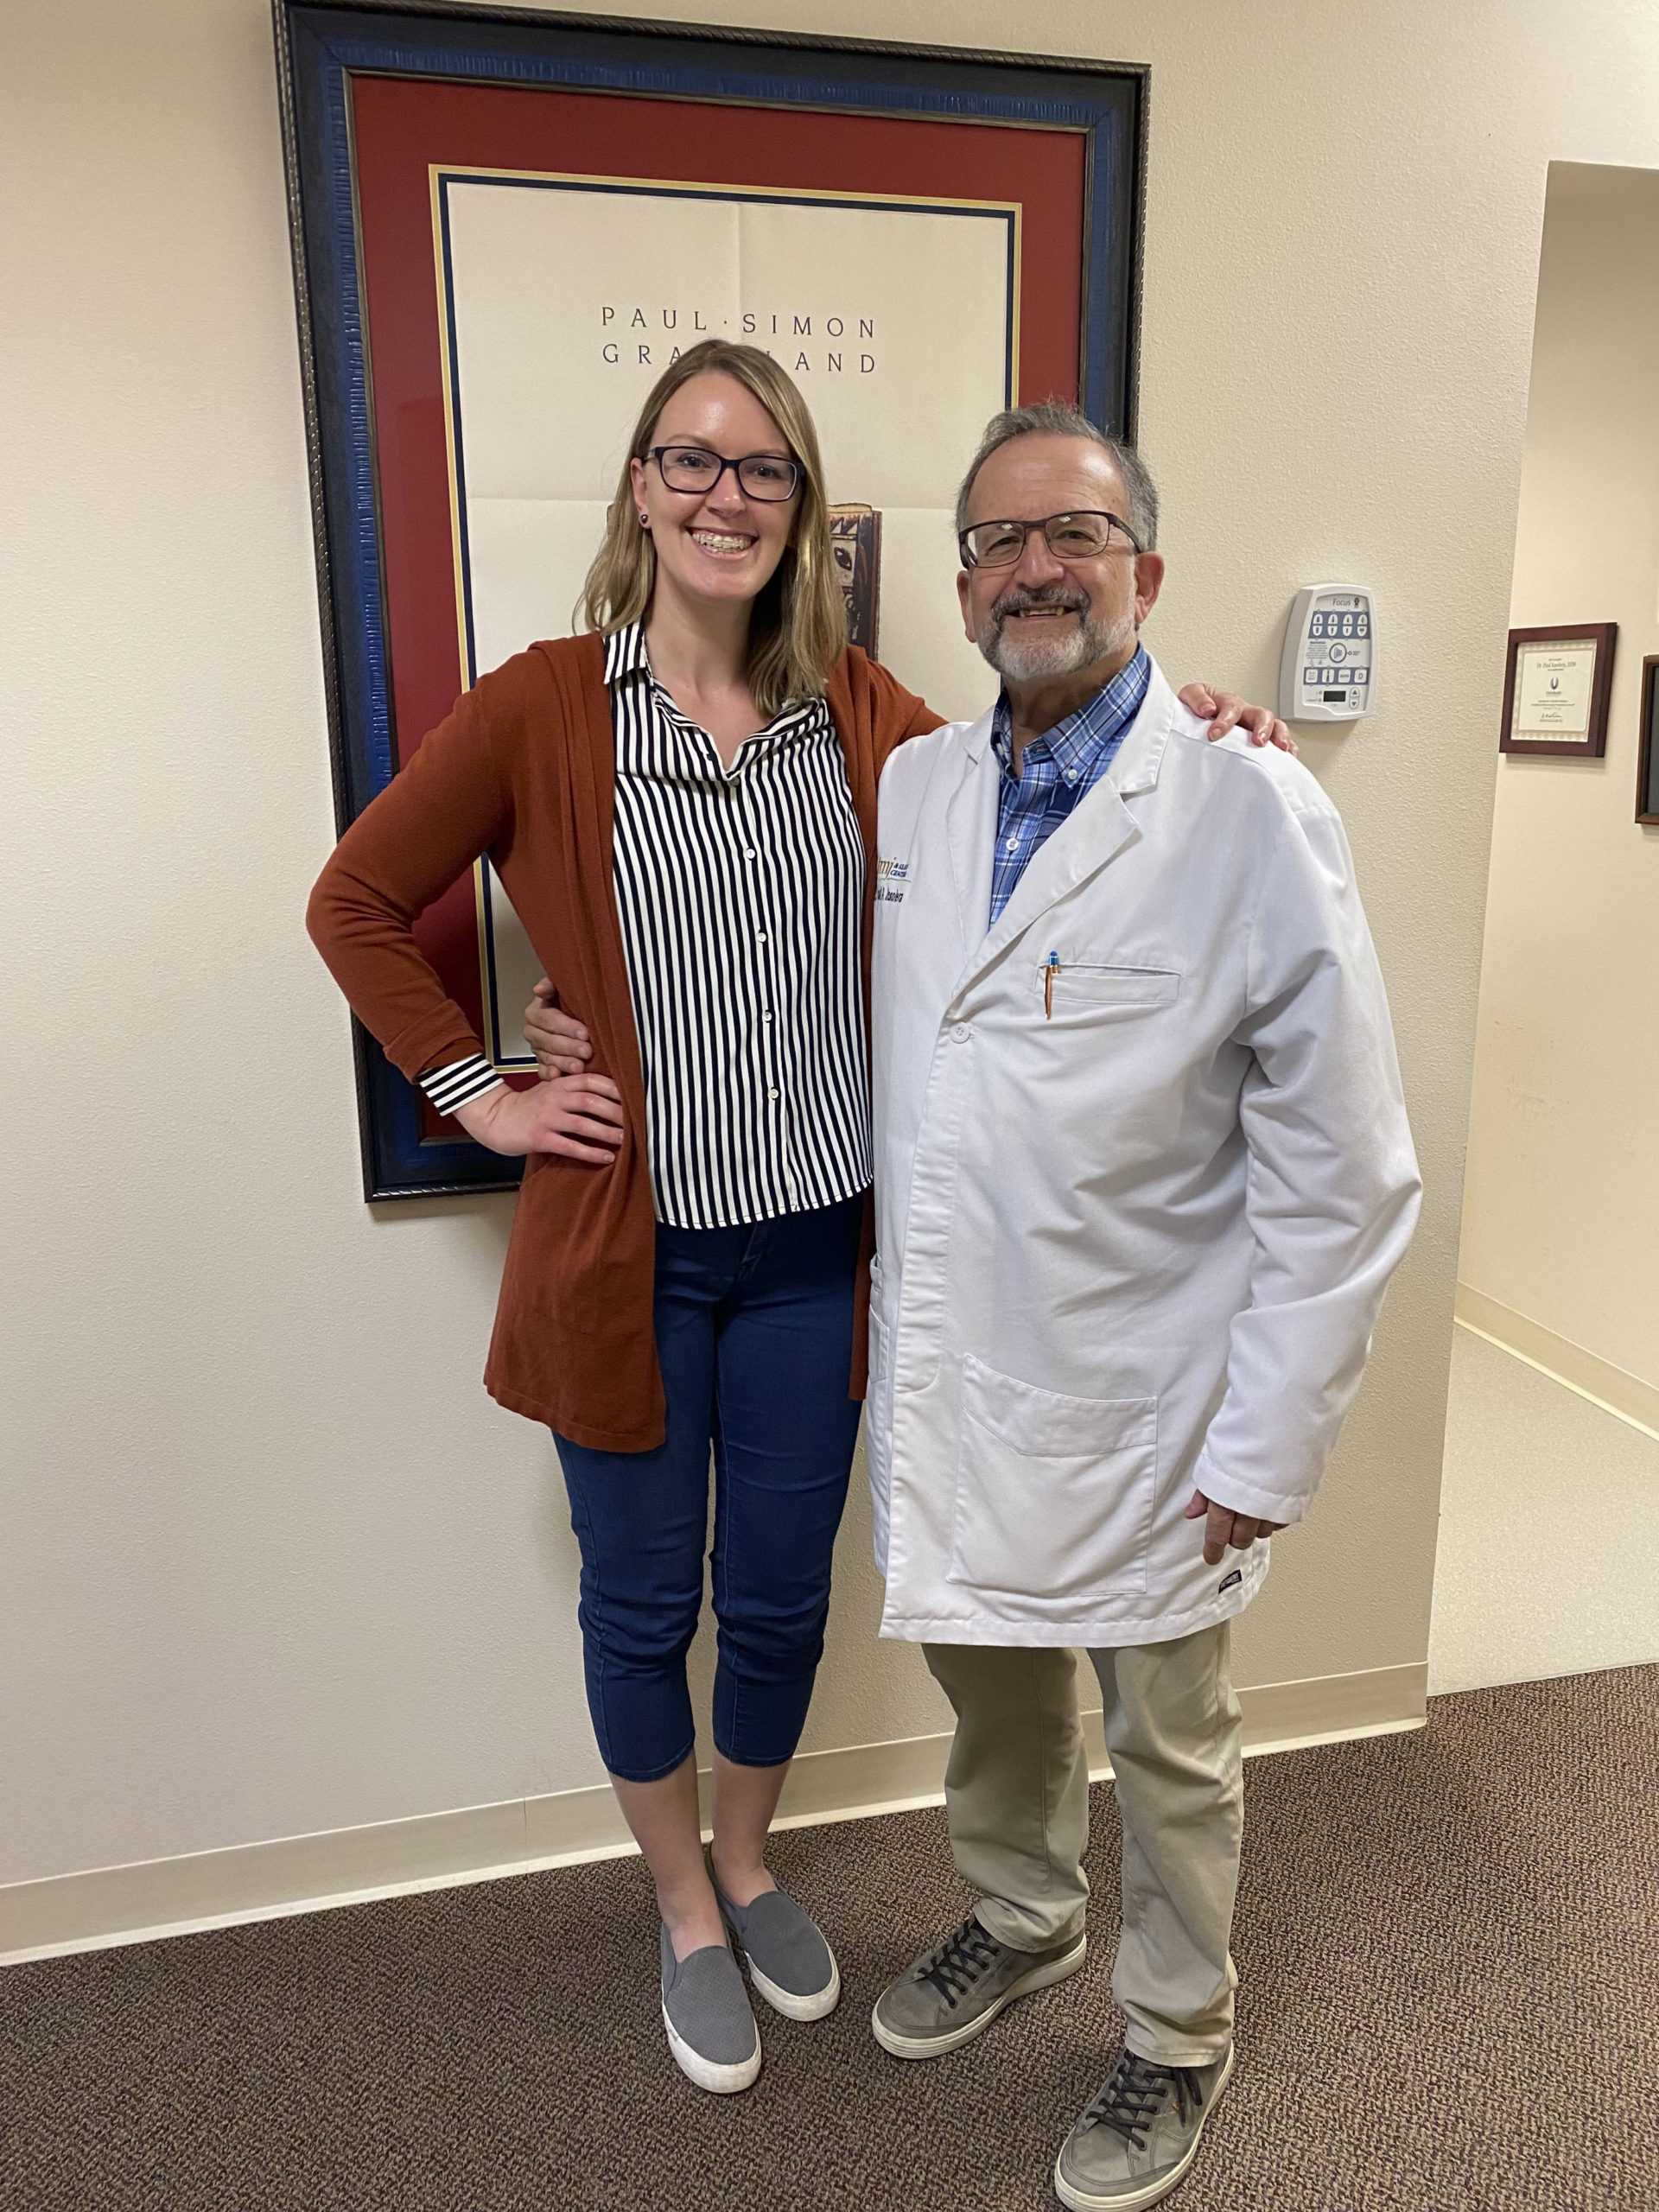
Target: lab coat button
x,y
961,1033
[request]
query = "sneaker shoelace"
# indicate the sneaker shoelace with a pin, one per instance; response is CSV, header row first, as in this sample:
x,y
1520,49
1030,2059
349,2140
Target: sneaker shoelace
x,y
1134,2095
959,1961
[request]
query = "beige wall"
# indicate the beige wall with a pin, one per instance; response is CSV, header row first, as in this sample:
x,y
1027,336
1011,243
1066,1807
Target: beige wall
x,y
1561,1207
272,1561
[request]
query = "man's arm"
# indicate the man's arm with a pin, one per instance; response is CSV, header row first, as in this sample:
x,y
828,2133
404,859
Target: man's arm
x,y
1333,1190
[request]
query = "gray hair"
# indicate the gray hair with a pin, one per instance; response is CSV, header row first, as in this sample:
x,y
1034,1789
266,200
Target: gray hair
x,y
1058,418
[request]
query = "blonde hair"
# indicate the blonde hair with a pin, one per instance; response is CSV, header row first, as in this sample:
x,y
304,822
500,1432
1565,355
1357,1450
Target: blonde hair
x,y
797,626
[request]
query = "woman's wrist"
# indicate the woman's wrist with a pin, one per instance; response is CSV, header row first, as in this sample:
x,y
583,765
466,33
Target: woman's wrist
x,y
478,1116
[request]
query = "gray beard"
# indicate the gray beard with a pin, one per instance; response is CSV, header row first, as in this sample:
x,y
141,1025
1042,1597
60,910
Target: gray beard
x,y
1036,657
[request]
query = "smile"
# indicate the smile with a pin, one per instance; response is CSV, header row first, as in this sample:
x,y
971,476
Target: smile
x,y
720,543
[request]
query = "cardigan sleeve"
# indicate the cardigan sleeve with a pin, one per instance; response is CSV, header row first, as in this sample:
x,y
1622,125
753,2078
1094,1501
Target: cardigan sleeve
x,y
451,802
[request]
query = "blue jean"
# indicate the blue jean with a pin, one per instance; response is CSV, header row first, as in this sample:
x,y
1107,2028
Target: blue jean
x,y
754,1335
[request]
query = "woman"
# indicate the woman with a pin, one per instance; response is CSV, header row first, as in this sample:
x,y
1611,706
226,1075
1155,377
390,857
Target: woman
x,y
681,803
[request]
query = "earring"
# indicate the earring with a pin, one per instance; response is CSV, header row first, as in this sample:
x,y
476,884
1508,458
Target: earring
x,y
645,519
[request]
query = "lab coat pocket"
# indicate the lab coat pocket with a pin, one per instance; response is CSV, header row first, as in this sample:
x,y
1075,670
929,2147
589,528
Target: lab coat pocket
x,y
1084,983
1055,1495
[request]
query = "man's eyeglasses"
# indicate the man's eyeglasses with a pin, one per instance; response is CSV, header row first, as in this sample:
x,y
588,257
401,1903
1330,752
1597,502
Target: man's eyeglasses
x,y
1068,537
694,468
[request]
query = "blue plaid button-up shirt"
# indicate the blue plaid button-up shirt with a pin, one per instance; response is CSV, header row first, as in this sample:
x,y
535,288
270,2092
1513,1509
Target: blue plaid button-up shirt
x,y
1056,770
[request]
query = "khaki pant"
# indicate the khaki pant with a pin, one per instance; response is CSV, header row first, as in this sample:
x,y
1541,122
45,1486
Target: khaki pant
x,y
1016,1794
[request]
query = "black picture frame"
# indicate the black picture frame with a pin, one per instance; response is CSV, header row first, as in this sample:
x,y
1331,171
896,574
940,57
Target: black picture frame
x,y
1647,762
322,45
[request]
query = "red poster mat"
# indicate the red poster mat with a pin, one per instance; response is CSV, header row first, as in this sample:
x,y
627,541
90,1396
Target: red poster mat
x,y
403,126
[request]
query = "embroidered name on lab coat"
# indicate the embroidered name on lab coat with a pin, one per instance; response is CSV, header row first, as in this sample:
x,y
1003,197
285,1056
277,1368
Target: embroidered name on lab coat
x,y
890,877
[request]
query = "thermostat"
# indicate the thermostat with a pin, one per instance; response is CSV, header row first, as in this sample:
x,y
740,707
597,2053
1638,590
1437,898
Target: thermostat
x,y
1328,669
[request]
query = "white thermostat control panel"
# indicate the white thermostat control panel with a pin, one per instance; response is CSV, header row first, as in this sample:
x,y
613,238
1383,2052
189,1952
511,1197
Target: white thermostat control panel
x,y
1328,672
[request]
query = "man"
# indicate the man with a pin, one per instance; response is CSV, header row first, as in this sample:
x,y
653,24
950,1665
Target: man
x,y
1143,1171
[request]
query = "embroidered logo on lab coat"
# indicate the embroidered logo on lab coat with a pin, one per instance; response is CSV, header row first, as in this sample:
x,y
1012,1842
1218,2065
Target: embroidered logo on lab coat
x,y
890,880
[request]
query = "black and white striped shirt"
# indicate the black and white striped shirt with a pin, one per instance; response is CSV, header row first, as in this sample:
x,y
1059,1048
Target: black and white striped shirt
x,y
740,892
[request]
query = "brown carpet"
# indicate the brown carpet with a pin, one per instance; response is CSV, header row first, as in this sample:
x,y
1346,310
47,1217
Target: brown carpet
x,y
1449,1998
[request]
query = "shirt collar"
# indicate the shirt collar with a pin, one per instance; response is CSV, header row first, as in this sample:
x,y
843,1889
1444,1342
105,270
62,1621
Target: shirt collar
x,y
624,653
1077,742
627,658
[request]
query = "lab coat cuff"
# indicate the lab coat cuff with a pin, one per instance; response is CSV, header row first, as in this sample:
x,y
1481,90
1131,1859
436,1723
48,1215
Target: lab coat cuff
x,y
1222,1488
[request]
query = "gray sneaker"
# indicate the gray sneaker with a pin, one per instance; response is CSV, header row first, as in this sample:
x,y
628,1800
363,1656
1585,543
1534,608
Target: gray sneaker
x,y
789,1962
953,1993
1139,2134
711,2030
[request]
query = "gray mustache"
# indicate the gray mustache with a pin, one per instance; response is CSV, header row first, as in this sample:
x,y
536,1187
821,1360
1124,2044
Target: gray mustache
x,y
1016,601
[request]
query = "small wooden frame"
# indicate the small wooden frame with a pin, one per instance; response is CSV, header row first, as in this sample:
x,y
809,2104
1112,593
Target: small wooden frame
x,y
1647,766
1557,683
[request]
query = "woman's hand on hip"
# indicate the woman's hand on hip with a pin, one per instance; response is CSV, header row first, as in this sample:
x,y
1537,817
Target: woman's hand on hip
x,y
1226,711
560,1043
573,1116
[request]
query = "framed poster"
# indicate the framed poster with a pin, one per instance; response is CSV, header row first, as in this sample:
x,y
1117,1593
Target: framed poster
x,y
505,226
1556,690
1647,764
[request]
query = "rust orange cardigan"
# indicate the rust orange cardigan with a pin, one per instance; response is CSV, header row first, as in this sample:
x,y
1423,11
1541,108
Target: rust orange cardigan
x,y
524,769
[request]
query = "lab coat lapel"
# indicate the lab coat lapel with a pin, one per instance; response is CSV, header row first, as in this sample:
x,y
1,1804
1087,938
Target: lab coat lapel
x,y
1097,830
970,832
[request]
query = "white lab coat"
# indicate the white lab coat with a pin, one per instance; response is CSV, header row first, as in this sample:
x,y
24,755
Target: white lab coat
x,y
1137,1246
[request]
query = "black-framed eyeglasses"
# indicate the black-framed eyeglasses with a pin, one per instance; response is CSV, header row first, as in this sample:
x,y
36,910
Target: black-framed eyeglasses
x,y
694,468
1079,536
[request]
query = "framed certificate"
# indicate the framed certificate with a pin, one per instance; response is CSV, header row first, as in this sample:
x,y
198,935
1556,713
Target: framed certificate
x,y
1556,688
1647,770
506,224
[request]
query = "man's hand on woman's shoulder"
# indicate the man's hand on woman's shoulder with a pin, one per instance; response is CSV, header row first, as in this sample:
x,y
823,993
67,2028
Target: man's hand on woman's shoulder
x,y
1226,711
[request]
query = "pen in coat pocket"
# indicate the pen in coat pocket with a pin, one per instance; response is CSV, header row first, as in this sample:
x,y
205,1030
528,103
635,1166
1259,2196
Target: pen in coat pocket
x,y
1050,969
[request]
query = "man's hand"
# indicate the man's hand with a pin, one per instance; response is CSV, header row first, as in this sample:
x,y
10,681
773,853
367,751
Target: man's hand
x,y
577,1117
1226,711
560,1045
1222,1527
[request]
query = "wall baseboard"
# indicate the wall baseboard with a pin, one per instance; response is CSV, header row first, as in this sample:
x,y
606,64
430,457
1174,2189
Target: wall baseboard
x,y
1613,1389
159,1897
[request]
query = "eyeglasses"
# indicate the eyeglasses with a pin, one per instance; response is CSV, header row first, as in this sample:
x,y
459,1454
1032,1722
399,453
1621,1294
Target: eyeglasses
x,y
694,468
1068,537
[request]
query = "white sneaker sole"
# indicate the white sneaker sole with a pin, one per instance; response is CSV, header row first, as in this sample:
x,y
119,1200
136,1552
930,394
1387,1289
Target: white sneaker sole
x,y
817,2007
1078,2200
940,2046
707,2073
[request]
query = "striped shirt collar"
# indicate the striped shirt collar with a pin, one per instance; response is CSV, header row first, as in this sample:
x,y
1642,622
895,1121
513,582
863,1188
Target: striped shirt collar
x,y
626,654
1075,745
627,659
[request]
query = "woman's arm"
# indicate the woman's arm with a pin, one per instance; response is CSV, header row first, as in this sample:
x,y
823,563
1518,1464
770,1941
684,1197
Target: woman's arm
x,y
452,803
424,831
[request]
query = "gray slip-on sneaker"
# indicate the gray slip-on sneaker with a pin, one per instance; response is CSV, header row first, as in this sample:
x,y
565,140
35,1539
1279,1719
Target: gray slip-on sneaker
x,y
954,1991
789,1962
1138,2134
711,2029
